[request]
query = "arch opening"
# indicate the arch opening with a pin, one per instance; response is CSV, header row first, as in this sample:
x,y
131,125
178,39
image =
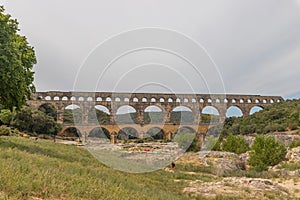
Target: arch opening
x,y
155,133
56,98
99,114
153,115
127,133
126,114
64,98
255,109
135,99
144,99
48,98
210,114
99,133
72,114
71,132
234,111
181,114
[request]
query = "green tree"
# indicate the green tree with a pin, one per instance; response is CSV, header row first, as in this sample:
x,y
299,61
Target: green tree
x,y
266,151
235,144
72,116
16,62
34,121
98,116
49,110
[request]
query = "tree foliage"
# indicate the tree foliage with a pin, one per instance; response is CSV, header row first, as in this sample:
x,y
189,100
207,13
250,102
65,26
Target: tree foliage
x,y
72,116
266,151
98,116
49,110
34,121
284,116
16,62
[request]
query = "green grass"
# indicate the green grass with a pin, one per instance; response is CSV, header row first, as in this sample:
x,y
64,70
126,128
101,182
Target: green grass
x,y
290,166
49,170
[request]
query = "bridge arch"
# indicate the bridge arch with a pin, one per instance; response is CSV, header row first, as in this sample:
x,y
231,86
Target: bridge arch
x,y
182,114
99,114
64,98
144,99
170,100
234,111
99,132
156,133
255,109
72,114
210,114
184,136
185,129
127,133
56,98
48,98
126,114
153,114
71,132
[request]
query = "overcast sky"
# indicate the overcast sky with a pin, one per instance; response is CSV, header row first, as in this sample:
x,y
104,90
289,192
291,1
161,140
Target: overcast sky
x,y
250,46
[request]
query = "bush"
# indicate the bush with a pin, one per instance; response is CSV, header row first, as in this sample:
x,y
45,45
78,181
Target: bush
x,y
295,143
34,121
6,116
5,131
235,144
265,152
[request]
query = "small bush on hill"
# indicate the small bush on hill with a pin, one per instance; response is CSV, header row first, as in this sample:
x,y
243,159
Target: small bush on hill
x,y
295,143
5,131
265,152
235,144
5,116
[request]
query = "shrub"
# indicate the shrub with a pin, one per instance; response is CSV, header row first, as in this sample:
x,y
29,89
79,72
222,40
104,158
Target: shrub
x,y
34,121
235,144
5,131
265,152
295,143
5,116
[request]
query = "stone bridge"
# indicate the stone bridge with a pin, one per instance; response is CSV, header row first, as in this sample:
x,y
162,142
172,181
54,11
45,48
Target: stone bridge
x,y
195,103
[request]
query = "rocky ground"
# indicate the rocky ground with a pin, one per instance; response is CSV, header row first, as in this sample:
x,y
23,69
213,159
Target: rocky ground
x,y
232,172
278,183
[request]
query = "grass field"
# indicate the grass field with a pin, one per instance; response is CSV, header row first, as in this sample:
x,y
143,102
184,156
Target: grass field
x,y
43,169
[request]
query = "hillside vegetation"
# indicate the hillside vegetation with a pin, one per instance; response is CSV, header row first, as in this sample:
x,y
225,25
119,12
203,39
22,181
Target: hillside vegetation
x,y
284,116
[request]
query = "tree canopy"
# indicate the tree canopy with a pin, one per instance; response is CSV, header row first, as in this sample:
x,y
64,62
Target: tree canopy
x,y
16,62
